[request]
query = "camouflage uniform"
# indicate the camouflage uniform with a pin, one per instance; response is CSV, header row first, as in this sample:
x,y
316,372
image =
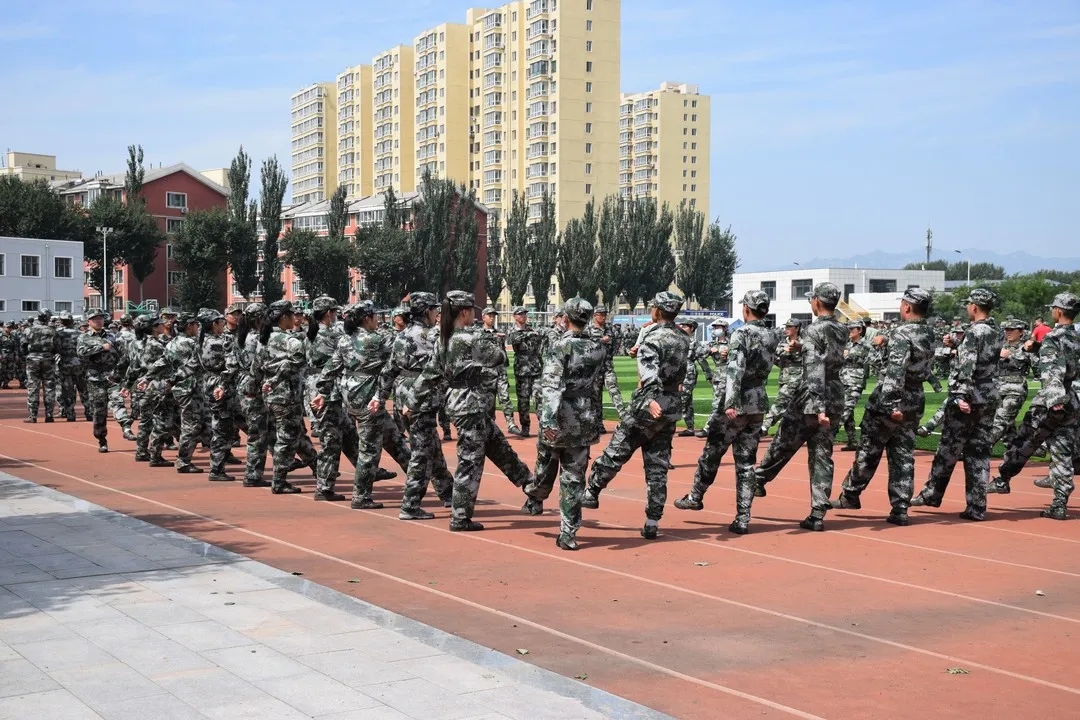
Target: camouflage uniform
x,y
609,380
145,353
818,391
661,362
281,363
944,358
699,356
185,380
69,370
1053,415
503,393
908,357
40,346
232,338
9,354
853,375
1013,372
966,436
249,382
750,357
99,355
352,373
789,358
412,351
220,369
571,368
117,401
526,342
467,365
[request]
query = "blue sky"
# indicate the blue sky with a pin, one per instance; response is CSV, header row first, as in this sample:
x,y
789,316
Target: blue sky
x,y
838,127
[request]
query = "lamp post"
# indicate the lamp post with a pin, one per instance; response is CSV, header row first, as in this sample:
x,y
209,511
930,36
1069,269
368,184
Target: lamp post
x,y
968,260
105,267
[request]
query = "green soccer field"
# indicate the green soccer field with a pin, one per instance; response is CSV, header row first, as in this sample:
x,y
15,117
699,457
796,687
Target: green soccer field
x,y
626,370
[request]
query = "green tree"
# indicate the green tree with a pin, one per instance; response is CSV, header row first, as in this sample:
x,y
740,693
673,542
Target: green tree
x,y
545,252
495,277
611,242
338,215
445,235
718,264
382,255
274,183
959,270
651,263
321,262
135,176
465,231
577,268
35,210
517,248
689,237
142,236
201,249
243,241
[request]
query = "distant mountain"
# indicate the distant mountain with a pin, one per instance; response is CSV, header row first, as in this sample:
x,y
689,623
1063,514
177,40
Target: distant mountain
x,y
1014,262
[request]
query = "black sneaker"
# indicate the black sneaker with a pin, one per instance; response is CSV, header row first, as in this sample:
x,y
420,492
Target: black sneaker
x,y
998,486
590,500
688,432
142,457
849,448
686,502
231,459
813,524
30,420
49,419
759,490
532,507
160,462
1043,482
898,518
128,435
1055,512
366,504
328,496
103,448
974,517
466,526
285,488
381,474
846,502
921,501
738,527
447,436
188,470
701,434
566,542
649,532
257,483
415,514
220,477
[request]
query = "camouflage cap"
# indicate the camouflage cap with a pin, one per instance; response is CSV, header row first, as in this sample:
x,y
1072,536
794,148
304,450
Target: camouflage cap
x,y
142,322
324,302
95,313
1013,324
519,310
793,322
64,316
667,301
126,319
44,313
400,311
826,292
420,302
756,300
236,307
489,311
10,324
690,323
917,296
185,318
460,300
578,310
983,297
209,315
255,308
168,312
600,309
282,307
361,309
560,313
960,330
720,322
1067,302
856,324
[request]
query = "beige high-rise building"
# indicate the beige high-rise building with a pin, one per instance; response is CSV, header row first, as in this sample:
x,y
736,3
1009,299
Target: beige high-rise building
x,y
31,166
442,70
355,147
393,103
314,124
664,146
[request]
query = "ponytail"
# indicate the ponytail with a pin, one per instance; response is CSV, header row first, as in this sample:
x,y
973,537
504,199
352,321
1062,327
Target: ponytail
x,y
204,329
352,323
269,323
314,322
242,330
141,332
446,323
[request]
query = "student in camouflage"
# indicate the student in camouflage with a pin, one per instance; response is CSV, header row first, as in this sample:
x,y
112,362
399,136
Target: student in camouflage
x,y
184,379
551,334
352,374
465,368
853,375
789,359
816,405
655,406
117,398
699,355
526,341
894,408
599,331
504,384
98,353
39,348
146,349
219,378
249,382
234,319
1053,415
412,351
737,411
69,372
1013,369
568,422
969,416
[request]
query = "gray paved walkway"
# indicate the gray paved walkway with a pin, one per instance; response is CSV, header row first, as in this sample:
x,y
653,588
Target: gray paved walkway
x,y
104,616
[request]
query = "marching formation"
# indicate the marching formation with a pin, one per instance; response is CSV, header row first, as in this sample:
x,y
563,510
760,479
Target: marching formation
x,y
365,387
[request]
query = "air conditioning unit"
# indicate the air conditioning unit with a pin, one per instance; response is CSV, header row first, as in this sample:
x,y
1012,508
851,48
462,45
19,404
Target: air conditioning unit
x,y
183,211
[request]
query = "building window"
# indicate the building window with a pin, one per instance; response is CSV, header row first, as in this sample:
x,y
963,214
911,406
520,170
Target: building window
x,y
588,46
588,147
168,252
588,168
29,306
882,286
693,118
176,277
59,306
172,227
588,189
588,4
799,288
588,26
588,107
588,66
3,269
769,288
175,200
693,188
588,127
3,305
62,267
693,104
693,146
588,87
31,266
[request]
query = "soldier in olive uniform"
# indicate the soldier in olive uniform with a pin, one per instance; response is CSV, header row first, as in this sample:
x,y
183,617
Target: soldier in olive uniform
x,y
894,408
69,371
737,411
465,369
260,435
655,407
39,348
969,416
718,351
1053,415
184,379
504,383
145,350
9,354
599,332
853,375
815,406
219,382
526,342
944,357
117,399
1015,366
699,355
568,422
99,355
789,358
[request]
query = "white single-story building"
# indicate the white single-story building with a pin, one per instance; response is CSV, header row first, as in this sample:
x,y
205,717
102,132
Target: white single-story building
x,y
40,275
867,293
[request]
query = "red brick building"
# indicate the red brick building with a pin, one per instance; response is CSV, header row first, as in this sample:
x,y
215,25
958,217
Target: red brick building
x,y
170,194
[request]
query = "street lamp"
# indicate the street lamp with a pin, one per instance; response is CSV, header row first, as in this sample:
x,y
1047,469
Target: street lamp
x,y
105,266
968,259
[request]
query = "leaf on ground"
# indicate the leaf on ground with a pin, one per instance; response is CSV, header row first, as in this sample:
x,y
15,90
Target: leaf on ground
x,y
230,603
354,580
957,671
297,572
1040,593
702,564
522,651
582,676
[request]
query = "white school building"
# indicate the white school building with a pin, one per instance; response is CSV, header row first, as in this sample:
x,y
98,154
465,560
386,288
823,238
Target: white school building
x,y
40,275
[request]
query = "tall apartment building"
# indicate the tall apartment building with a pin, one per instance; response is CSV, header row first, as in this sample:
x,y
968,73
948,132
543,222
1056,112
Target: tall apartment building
x,y
393,102
442,103
32,166
664,146
314,142
355,147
